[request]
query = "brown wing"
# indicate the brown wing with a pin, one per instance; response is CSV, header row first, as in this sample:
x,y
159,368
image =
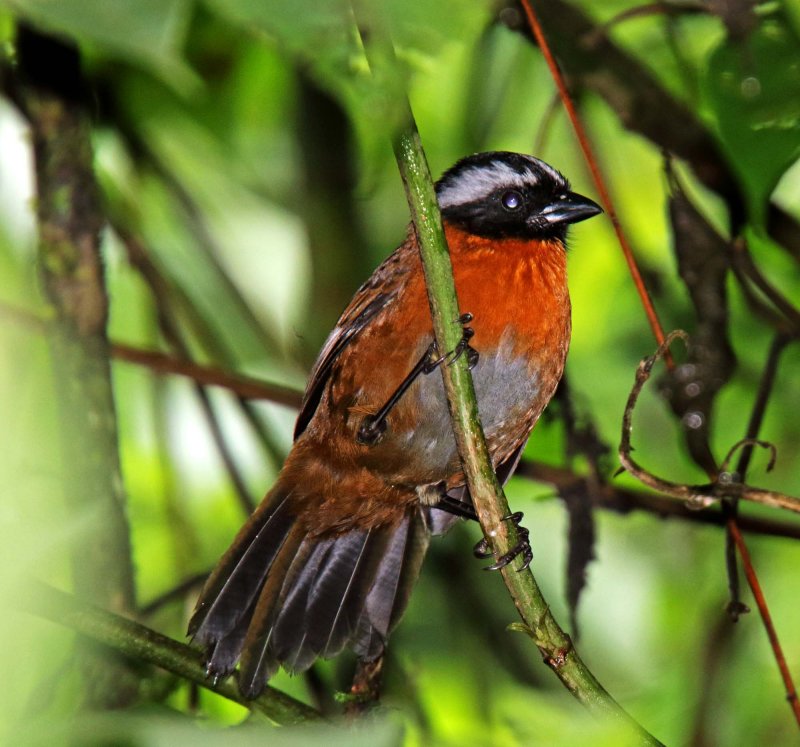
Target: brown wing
x,y
368,304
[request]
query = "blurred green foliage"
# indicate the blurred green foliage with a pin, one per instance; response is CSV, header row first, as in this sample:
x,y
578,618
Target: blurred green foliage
x,y
245,145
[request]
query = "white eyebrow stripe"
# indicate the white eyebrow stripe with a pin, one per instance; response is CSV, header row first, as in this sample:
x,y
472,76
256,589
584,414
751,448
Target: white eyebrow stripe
x,y
478,182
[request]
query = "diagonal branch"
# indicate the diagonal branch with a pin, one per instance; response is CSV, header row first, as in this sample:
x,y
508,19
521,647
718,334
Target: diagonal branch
x,y
490,503
623,501
487,495
136,641
597,177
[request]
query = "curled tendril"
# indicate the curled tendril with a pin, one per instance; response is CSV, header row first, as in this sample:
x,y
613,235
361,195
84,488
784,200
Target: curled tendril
x,y
745,442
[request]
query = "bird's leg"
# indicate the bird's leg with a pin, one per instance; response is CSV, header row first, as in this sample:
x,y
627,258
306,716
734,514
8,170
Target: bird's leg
x,y
454,506
523,547
373,427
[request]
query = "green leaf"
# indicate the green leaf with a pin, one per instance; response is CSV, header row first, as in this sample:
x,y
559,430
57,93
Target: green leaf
x,y
322,37
319,34
148,33
753,88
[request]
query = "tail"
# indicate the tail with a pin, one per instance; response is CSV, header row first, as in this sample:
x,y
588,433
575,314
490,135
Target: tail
x,y
280,596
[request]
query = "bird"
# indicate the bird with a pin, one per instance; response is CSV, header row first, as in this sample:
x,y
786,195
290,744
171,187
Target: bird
x,y
327,561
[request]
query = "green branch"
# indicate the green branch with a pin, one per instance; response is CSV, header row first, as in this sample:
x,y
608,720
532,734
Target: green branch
x,y
138,642
487,495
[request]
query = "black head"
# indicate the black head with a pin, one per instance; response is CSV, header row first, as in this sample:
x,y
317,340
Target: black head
x,y
510,195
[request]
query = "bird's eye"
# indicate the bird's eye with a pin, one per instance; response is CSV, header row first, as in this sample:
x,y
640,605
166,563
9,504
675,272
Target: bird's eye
x,y
511,200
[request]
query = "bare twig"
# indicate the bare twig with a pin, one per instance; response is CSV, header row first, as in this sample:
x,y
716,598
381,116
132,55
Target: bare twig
x,y
762,398
171,595
622,500
727,488
708,164
636,95
246,387
699,496
755,587
602,496
162,294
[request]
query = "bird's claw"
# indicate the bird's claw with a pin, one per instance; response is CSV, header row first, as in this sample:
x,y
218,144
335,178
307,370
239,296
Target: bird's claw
x,y
371,430
463,344
463,347
481,549
213,674
523,547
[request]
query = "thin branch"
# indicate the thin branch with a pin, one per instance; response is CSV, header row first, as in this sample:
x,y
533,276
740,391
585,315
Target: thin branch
x,y
745,269
726,186
761,603
246,387
162,293
779,344
487,496
597,176
672,8
607,497
623,501
727,487
175,593
734,537
136,641
730,507
635,94
716,648
204,240
546,124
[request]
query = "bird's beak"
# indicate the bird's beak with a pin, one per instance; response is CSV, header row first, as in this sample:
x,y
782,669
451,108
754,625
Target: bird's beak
x,y
570,208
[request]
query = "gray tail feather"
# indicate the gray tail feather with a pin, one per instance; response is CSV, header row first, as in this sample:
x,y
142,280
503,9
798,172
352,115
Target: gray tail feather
x,y
279,597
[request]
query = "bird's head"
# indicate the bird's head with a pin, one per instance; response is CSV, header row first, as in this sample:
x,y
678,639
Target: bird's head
x,y
510,195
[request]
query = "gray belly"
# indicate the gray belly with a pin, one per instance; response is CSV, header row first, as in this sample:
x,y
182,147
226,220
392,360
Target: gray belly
x,y
506,391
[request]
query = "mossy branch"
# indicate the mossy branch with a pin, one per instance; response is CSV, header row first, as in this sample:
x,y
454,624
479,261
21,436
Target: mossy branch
x,y
69,220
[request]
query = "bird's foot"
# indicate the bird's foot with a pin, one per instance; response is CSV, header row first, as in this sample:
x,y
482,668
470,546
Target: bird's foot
x,y
371,430
523,547
463,347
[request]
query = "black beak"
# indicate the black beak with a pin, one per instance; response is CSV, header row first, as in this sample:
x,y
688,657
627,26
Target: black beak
x,y
570,208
